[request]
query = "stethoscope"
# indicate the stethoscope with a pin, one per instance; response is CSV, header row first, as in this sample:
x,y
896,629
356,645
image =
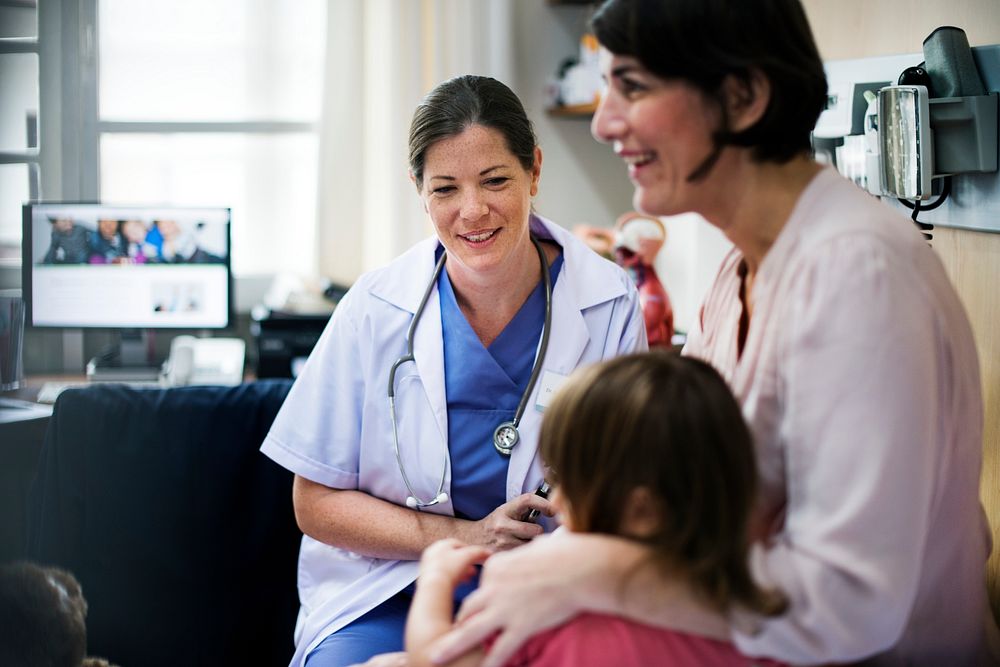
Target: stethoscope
x,y
506,435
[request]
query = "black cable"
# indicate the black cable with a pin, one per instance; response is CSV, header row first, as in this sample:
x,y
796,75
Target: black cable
x,y
917,207
925,227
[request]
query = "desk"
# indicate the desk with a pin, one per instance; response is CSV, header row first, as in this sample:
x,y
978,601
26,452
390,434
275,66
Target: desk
x,y
22,432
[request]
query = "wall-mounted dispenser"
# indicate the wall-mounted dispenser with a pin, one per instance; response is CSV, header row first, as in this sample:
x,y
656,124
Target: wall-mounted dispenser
x,y
906,152
921,138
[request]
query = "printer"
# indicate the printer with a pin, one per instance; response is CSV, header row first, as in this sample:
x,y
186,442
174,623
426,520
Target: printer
x,y
286,336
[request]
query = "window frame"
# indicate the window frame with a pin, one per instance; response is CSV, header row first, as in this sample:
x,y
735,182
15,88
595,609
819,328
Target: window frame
x,y
31,156
83,156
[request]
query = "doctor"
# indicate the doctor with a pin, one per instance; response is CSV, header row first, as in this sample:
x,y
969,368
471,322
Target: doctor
x,y
393,450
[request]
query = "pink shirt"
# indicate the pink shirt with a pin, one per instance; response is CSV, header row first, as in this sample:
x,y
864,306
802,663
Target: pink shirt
x,y
592,640
860,381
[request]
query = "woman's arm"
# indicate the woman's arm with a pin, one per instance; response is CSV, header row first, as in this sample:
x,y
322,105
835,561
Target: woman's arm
x,y
443,566
364,524
542,585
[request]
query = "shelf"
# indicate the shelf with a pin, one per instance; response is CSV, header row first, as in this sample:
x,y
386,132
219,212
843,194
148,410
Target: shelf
x,y
574,110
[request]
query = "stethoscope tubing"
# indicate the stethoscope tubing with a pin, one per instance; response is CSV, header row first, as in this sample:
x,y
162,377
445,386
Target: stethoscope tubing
x,y
413,501
413,325
543,346
417,502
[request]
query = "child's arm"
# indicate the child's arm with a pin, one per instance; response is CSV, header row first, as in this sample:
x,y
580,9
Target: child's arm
x,y
563,576
443,565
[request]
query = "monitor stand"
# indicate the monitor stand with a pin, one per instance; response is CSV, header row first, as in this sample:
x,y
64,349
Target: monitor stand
x,y
129,359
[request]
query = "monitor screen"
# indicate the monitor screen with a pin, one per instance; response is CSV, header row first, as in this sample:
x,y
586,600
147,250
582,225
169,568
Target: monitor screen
x,y
102,266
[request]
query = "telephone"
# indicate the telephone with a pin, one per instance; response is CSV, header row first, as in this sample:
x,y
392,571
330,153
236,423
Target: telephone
x,y
204,361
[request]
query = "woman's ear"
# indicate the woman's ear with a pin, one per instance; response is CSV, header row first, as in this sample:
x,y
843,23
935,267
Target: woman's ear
x,y
641,514
746,99
536,171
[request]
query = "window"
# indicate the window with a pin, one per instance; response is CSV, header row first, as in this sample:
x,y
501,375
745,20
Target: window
x,y
184,102
216,103
18,119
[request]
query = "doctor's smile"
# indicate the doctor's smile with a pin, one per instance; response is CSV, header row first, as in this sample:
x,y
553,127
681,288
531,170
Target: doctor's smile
x,y
479,238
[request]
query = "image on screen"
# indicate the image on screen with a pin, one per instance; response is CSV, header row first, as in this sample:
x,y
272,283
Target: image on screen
x,y
101,266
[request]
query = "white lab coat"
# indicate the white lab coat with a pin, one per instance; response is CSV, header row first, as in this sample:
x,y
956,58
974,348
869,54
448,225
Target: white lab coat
x,y
334,426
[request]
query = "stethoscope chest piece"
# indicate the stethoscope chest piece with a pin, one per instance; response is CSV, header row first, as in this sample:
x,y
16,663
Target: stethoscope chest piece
x,y
505,437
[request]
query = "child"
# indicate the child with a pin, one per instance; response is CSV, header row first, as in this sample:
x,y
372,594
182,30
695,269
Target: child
x,y
42,618
652,448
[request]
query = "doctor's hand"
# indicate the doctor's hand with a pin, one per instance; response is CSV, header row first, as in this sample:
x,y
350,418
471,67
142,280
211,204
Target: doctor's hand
x,y
503,528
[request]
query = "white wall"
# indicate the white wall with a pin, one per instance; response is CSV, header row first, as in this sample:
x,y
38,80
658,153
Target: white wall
x,y
582,180
688,263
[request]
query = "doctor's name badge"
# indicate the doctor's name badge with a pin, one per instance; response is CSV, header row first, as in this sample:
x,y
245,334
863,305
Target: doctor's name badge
x,y
551,381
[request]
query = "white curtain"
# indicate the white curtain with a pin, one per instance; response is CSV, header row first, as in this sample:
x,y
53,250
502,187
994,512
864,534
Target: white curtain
x,y
383,56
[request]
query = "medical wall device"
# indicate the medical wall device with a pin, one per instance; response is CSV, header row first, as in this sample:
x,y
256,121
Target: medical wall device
x,y
905,145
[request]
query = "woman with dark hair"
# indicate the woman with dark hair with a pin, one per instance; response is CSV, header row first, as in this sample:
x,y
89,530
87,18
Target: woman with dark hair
x,y
417,414
841,336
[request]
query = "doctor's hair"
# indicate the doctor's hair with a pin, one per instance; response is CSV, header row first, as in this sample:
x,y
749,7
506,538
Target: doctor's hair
x,y
667,429
702,42
464,101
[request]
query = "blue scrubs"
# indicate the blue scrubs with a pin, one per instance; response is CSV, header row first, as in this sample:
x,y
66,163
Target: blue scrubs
x,y
483,387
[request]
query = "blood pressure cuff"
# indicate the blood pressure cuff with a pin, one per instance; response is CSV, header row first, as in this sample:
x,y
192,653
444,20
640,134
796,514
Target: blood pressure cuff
x,y
950,65
181,533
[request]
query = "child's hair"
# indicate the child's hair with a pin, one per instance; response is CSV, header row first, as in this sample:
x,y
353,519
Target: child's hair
x,y
671,425
42,617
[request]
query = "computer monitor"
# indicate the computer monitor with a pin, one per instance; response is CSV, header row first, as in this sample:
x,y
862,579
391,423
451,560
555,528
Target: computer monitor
x,y
126,267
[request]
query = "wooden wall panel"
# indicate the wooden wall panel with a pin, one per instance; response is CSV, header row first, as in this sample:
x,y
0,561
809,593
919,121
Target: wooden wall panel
x,y
864,28
973,262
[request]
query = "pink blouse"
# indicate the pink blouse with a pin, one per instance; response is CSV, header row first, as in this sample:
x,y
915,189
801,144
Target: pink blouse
x,y
860,382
